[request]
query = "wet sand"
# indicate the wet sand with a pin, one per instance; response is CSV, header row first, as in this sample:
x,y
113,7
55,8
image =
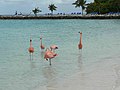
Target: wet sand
x,y
104,75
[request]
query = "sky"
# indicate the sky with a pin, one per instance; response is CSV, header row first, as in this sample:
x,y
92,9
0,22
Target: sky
x,y
9,7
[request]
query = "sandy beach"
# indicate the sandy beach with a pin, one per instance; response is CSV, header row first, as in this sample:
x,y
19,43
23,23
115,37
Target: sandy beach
x,y
104,75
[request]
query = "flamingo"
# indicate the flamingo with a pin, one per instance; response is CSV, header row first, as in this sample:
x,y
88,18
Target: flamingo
x,y
53,47
41,45
80,43
31,49
49,55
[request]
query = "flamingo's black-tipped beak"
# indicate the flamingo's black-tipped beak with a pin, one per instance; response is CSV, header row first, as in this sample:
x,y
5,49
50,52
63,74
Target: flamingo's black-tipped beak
x,y
80,32
56,48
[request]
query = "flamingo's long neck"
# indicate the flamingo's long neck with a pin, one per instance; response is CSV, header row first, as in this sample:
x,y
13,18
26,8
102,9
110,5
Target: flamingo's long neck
x,y
80,38
41,41
30,43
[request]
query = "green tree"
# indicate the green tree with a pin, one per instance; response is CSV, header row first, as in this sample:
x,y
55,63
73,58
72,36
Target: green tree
x,y
104,6
114,5
36,10
52,7
100,8
90,8
97,4
80,3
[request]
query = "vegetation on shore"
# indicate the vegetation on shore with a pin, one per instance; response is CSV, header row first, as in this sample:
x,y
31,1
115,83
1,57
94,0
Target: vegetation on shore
x,y
36,10
98,7
80,3
104,6
52,7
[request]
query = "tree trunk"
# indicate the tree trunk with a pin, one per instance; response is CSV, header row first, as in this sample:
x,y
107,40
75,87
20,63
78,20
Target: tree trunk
x,y
82,11
52,12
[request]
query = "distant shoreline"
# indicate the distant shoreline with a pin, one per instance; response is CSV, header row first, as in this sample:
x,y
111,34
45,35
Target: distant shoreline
x,y
62,17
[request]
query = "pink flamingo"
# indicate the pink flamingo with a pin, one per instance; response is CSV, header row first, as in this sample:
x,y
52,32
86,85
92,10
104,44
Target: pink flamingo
x,y
49,55
31,49
53,47
80,43
41,45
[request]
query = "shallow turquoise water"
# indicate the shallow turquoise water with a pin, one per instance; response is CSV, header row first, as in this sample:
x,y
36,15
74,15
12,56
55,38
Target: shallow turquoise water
x,y
101,40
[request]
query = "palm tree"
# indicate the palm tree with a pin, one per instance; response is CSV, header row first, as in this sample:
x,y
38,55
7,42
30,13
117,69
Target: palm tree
x,y
36,10
52,7
80,3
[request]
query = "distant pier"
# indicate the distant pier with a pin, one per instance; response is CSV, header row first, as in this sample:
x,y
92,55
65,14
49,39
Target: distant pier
x,y
62,17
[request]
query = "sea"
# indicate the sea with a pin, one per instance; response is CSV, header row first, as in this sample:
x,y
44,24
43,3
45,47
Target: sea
x,y
100,40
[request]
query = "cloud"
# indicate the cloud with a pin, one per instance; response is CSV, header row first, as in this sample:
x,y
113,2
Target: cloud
x,y
28,5
52,1
40,1
47,1
12,1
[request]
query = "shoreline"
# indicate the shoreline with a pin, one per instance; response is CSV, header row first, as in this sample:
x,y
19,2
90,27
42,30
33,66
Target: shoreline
x,y
62,17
